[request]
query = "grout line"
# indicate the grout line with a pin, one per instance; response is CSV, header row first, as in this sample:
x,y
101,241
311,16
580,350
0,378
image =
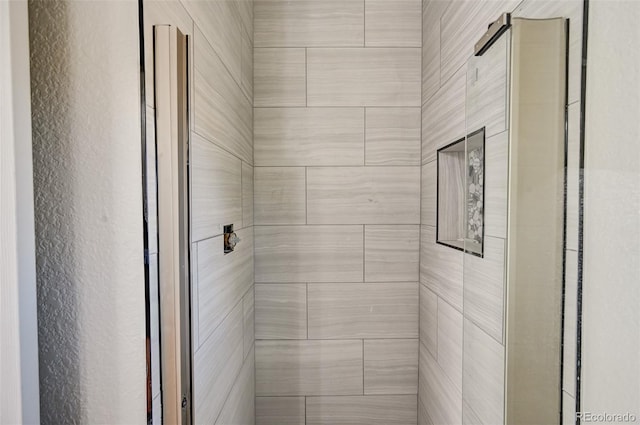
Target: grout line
x,y
306,307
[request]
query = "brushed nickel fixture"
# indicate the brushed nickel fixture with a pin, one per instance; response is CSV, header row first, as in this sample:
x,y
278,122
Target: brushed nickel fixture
x,y
495,30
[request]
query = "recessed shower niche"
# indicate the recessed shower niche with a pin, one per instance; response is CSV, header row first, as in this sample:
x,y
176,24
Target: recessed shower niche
x,y
460,209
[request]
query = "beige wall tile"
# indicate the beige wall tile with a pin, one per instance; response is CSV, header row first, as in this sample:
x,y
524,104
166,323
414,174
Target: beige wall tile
x,y
363,310
495,187
218,362
307,23
309,136
222,114
369,195
280,411
391,253
429,320
281,311
280,77
484,287
362,410
247,195
450,342
363,77
483,374
486,96
441,268
220,24
239,408
216,189
308,368
429,193
318,253
280,195
443,116
462,24
393,23
391,366
248,312
222,279
441,399
431,14
247,66
392,136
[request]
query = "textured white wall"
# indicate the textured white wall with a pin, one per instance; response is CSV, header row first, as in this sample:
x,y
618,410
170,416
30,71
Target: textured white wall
x,y
88,196
611,290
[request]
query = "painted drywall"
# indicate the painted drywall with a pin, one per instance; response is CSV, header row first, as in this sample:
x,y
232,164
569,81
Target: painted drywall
x,y
611,268
88,203
19,398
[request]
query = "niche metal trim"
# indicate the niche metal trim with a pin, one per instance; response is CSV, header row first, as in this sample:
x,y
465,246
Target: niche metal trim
x,y
495,30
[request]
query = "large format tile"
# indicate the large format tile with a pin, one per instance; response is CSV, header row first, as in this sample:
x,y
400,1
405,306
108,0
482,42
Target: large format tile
x,y
441,399
216,365
362,410
431,14
363,77
247,195
429,194
281,311
308,368
248,311
486,96
462,25
391,253
392,136
309,136
484,287
495,185
391,366
309,253
247,66
239,409
280,195
280,411
223,114
363,310
429,320
369,195
221,26
450,342
222,279
443,116
393,23
280,77
441,268
483,374
216,189
308,23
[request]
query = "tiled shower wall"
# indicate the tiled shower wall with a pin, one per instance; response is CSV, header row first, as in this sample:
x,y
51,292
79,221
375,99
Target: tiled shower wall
x,y
461,346
221,123
337,210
